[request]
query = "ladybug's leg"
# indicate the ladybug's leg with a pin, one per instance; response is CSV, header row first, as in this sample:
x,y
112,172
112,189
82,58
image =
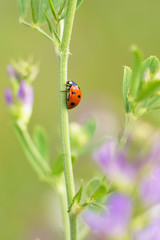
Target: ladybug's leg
x,y
67,90
64,90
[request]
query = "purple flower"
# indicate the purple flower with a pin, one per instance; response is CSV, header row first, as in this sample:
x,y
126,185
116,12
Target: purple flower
x,y
150,187
8,96
22,91
25,94
22,109
150,232
28,102
104,155
155,149
115,220
115,164
11,72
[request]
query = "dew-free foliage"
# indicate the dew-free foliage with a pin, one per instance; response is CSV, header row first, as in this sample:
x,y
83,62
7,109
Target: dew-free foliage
x,y
115,196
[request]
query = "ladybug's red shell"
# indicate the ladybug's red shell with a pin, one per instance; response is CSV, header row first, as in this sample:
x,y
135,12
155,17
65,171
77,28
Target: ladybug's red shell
x,y
74,94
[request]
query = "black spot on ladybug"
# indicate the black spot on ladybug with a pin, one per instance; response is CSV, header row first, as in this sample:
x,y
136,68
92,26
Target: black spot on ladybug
x,y
72,103
73,93
79,96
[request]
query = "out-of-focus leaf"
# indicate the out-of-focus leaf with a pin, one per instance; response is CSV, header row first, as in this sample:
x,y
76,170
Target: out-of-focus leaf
x,y
126,87
63,2
96,188
64,13
136,68
41,142
35,6
79,2
148,68
23,7
57,167
151,63
149,90
90,128
44,6
56,4
154,103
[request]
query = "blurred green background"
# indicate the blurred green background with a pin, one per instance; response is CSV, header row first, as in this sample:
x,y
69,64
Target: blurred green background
x,y
103,33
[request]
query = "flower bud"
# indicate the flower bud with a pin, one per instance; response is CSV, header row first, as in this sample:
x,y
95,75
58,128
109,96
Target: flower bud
x,y
11,72
8,96
25,97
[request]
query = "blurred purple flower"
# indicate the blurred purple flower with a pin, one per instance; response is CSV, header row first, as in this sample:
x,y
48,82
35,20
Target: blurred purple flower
x,y
115,220
8,96
22,89
114,163
11,72
104,155
155,149
150,232
28,102
25,94
150,187
22,109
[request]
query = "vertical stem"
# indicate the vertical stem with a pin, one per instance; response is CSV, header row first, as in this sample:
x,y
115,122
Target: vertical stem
x,y
65,141
63,199
64,121
128,125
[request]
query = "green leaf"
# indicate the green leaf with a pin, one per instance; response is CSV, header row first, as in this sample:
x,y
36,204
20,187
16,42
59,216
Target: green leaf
x,y
52,9
136,68
154,103
45,6
23,7
52,30
41,142
90,128
96,188
76,199
151,88
79,2
35,6
57,167
63,2
152,63
63,14
56,4
127,76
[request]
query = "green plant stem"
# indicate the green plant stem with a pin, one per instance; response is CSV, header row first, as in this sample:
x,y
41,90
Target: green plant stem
x,y
128,124
65,141
64,121
63,198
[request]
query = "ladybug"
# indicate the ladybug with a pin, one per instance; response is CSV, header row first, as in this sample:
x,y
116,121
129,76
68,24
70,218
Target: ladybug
x,y
73,94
